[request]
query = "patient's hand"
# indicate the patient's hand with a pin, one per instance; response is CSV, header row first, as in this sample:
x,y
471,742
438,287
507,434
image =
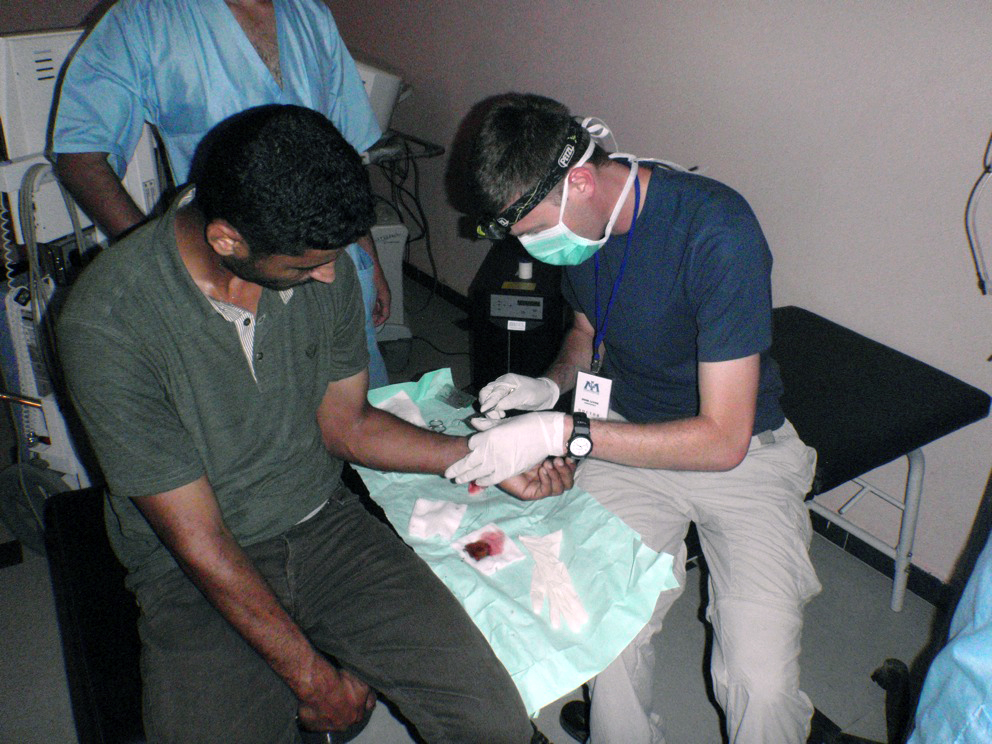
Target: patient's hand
x,y
549,478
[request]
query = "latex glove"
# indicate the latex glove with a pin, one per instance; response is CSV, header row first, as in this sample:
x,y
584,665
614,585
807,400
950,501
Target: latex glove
x,y
509,392
551,582
510,448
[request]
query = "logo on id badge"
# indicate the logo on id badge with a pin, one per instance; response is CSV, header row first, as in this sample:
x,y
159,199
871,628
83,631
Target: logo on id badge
x,y
592,395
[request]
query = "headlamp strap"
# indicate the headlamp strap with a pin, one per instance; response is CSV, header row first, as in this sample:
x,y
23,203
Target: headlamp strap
x,y
575,145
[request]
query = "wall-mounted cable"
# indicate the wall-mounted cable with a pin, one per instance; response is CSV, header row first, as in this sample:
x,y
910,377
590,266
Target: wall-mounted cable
x,y
397,162
970,228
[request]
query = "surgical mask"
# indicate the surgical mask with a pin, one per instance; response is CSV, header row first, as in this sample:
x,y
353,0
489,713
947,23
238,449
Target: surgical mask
x,y
558,245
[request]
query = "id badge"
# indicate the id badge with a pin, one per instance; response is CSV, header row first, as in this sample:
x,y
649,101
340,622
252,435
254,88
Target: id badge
x,y
592,395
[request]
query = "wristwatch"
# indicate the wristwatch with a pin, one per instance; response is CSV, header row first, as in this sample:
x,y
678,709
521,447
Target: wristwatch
x,y
580,443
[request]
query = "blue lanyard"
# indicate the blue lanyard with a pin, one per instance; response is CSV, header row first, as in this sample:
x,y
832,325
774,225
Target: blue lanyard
x,y
597,363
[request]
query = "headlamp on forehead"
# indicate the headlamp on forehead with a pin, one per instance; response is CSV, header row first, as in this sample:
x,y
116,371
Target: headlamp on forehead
x,y
576,143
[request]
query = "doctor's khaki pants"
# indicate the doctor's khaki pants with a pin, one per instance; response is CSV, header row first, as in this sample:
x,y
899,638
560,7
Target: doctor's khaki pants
x,y
755,533
361,596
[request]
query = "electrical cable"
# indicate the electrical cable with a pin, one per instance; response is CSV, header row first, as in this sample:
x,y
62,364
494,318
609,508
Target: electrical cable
x,y
42,322
40,319
388,203
34,494
974,244
8,245
407,346
34,281
970,228
425,232
396,172
405,200
7,240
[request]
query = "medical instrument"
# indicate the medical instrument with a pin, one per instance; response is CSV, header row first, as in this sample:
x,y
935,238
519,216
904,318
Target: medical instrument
x,y
44,241
517,324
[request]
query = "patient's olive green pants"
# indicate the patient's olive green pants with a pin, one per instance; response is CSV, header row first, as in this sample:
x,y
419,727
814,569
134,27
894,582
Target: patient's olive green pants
x,y
363,598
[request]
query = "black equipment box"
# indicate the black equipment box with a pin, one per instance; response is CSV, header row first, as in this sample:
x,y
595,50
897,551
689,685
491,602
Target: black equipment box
x,y
517,323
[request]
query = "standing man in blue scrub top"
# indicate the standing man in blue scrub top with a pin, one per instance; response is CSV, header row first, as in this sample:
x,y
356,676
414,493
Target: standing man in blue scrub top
x,y
185,65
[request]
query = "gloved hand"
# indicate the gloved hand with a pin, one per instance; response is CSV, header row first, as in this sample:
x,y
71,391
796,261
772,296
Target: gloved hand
x,y
511,391
510,448
552,582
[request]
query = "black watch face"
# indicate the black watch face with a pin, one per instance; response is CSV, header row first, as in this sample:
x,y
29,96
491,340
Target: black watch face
x,y
580,447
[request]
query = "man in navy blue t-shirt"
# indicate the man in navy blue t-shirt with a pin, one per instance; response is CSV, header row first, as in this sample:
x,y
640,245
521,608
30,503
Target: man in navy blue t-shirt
x,y
676,416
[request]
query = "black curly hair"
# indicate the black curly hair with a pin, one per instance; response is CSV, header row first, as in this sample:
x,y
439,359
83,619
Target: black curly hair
x,y
285,178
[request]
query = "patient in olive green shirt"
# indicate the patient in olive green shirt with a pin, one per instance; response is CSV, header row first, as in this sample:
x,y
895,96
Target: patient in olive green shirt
x,y
217,360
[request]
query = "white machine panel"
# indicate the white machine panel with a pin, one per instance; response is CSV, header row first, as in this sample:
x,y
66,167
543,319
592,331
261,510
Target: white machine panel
x,y
390,243
30,65
29,71
383,90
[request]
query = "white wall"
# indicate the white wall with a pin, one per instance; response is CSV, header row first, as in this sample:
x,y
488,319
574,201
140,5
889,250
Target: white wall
x,y
855,130
17,16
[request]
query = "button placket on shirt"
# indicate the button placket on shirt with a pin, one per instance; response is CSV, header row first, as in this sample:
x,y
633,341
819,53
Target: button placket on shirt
x,y
257,351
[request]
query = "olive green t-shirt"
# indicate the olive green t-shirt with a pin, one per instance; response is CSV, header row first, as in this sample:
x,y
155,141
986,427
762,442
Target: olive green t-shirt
x,y
166,394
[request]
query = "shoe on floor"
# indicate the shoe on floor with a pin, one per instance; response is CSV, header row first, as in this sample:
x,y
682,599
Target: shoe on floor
x,y
574,720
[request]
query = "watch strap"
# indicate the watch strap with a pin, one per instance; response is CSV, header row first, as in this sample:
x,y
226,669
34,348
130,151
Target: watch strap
x,y
580,431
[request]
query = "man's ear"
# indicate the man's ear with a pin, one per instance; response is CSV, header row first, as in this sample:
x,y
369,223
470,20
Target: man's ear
x,y
581,182
225,239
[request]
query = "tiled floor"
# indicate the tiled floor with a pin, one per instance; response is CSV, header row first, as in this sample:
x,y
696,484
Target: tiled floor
x,y
849,627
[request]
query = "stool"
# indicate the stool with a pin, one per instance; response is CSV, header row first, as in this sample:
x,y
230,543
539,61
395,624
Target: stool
x,y
98,620
862,404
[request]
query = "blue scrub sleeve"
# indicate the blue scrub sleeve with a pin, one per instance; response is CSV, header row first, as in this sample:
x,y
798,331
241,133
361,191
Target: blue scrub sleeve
x,y
100,107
